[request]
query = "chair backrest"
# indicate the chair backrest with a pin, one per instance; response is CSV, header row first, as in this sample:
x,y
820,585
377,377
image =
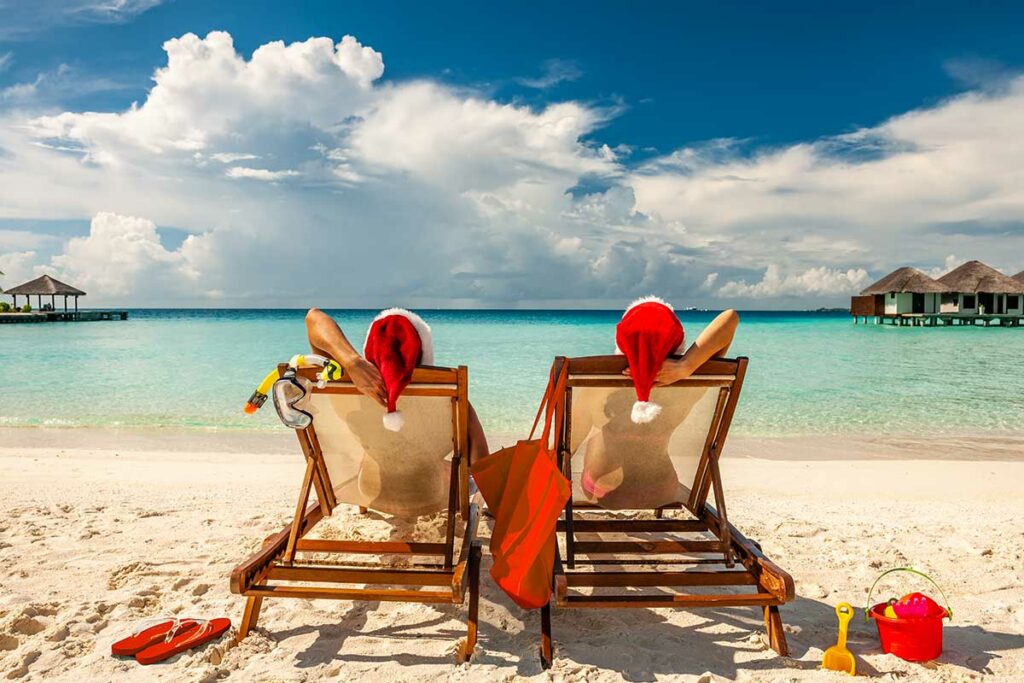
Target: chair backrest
x,y
407,473
617,464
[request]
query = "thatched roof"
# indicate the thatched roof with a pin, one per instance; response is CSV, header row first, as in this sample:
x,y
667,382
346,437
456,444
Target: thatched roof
x,y
45,285
974,277
905,279
1019,277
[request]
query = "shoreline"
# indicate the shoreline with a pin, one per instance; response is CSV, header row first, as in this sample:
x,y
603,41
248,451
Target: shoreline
x,y
998,446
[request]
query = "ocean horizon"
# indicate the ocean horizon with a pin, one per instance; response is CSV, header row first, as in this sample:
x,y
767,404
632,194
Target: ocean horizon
x,y
811,372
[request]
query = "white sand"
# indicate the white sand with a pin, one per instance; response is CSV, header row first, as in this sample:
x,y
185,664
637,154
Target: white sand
x,y
101,530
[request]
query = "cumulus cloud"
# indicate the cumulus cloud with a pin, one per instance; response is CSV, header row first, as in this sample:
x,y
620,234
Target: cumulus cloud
x,y
303,178
208,92
819,281
122,256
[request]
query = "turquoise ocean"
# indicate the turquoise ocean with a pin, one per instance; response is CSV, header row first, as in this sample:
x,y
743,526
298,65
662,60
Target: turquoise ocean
x,y
810,373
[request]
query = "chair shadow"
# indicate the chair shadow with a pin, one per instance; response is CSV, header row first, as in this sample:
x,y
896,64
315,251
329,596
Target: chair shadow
x,y
331,638
810,627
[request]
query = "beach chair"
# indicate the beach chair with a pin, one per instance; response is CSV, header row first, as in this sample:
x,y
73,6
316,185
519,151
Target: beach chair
x,y
351,459
609,558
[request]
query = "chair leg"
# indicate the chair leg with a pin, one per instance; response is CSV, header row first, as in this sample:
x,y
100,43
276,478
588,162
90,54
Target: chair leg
x,y
546,654
773,627
469,644
249,617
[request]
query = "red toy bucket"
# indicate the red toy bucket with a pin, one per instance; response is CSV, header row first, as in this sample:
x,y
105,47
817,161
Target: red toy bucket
x,y
915,639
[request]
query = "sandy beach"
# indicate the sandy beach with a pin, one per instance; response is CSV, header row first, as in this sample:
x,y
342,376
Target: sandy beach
x,y
100,530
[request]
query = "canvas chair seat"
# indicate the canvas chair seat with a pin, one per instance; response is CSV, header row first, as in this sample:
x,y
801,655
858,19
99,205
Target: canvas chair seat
x,y
405,473
352,459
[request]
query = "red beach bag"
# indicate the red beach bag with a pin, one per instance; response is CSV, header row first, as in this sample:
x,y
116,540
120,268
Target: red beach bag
x,y
526,492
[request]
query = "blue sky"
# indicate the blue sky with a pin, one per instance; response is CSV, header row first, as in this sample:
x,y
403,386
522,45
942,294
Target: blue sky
x,y
664,110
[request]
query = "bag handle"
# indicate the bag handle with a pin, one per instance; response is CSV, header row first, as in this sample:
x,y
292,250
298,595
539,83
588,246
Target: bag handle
x,y
554,397
949,611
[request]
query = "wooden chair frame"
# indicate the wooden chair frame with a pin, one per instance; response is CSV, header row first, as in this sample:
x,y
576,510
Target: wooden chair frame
x,y
718,543
281,559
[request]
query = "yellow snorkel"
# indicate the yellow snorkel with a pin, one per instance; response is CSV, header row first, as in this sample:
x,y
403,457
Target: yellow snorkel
x,y
259,397
331,372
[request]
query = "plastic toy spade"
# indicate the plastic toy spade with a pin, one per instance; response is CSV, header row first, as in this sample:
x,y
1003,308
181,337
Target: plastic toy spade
x,y
837,657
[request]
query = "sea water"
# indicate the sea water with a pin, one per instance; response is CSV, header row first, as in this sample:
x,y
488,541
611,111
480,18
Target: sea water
x,y
809,373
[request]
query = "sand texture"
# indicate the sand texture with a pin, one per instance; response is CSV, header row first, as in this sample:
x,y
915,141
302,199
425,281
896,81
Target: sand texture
x,y
98,536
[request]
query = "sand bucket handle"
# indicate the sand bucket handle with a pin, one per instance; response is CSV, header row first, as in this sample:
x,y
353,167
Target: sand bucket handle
x,y
949,611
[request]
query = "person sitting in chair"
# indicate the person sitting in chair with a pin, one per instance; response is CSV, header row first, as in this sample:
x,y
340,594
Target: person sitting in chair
x,y
327,339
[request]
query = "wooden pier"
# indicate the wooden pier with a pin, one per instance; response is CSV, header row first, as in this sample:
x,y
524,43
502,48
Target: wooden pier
x,y
939,320
61,316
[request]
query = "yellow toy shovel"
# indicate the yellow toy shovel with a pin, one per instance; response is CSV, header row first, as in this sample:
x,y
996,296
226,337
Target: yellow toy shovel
x,y
837,657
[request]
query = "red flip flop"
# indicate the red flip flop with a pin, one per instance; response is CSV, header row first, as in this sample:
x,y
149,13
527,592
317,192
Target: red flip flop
x,y
151,633
207,631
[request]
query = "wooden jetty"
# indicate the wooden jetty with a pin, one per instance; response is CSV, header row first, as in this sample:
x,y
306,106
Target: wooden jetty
x,y
61,316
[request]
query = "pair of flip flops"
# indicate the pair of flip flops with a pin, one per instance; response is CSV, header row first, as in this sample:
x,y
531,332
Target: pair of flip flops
x,y
155,642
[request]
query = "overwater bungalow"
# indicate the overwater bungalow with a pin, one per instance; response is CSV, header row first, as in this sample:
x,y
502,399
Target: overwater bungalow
x,y
969,294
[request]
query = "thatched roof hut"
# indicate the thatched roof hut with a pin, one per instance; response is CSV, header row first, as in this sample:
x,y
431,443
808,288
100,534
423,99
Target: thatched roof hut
x,y
905,280
45,285
1019,277
975,277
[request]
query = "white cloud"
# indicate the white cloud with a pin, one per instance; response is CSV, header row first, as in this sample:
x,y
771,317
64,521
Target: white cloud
x,y
436,195
6,59
774,283
259,173
232,157
554,71
948,264
25,18
208,92
17,267
122,257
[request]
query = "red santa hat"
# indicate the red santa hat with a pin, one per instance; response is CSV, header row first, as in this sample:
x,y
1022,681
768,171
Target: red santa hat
x,y
397,341
648,333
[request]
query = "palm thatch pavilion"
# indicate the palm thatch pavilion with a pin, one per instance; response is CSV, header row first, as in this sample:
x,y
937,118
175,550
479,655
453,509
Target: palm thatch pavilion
x,y
969,293
45,285
48,287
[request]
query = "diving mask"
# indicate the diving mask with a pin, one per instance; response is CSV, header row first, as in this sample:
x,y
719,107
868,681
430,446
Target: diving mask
x,y
288,392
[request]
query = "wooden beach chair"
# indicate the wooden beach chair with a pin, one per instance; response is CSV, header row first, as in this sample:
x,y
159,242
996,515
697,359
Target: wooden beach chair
x,y
693,558
351,459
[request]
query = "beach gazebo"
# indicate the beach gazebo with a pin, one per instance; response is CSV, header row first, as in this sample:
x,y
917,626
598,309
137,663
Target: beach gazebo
x,y
975,288
46,286
904,291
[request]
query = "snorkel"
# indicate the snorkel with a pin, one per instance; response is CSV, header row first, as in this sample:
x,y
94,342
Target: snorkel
x,y
331,372
259,396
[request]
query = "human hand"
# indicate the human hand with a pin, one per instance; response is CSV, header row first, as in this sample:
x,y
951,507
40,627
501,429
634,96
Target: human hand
x,y
672,371
366,378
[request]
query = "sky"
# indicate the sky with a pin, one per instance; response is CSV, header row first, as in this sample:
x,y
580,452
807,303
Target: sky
x,y
265,154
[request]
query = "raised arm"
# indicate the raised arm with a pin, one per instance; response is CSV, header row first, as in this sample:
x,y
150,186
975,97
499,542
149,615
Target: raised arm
x,y
327,339
713,341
